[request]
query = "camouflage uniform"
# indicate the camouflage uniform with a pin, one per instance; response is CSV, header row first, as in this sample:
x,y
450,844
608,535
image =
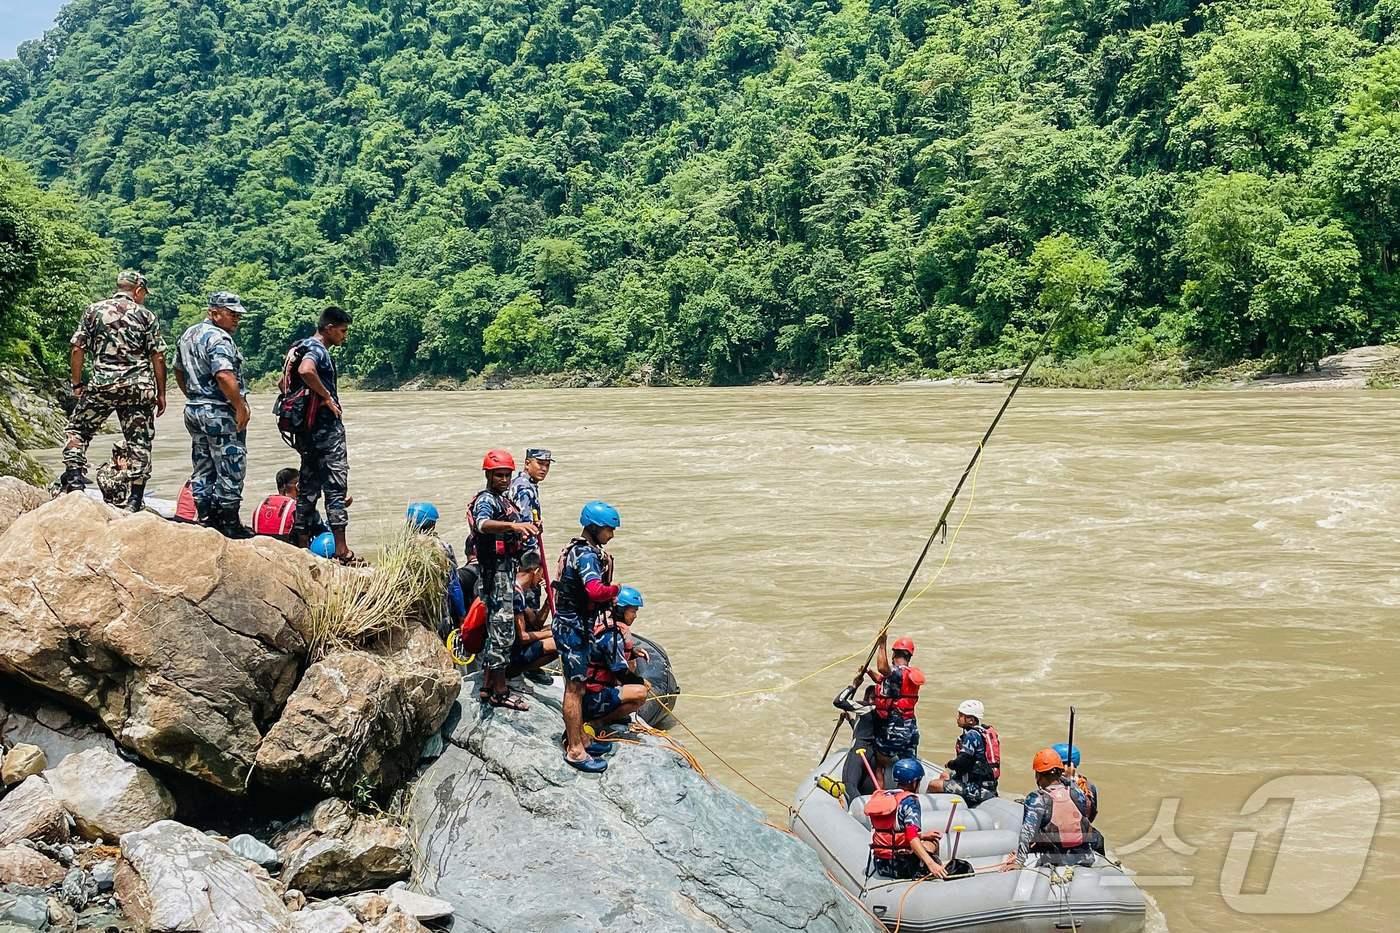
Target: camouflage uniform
x,y
497,582
218,450
325,456
1037,837
115,484
972,778
120,337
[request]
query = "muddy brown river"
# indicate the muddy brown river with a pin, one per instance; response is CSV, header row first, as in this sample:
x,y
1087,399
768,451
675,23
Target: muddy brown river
x,y
1209,577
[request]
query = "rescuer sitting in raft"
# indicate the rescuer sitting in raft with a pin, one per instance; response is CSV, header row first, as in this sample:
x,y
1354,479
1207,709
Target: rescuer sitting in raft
x,y
899,846
1055,829
974,770
1070,756
897,686
534,645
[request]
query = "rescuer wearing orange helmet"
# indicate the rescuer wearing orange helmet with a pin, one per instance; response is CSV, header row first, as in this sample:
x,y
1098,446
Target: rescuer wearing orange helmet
x,y
1055,829
897,685
498,536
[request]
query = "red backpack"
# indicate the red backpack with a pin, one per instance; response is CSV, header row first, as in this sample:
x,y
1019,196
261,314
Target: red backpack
x,y
275,516
473,633
993,743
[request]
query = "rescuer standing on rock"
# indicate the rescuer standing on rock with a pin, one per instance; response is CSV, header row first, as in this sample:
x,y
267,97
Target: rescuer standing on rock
x,y
128,377
209,370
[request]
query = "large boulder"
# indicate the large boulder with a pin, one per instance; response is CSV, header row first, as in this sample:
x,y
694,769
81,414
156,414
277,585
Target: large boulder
x,y
337,850
173,877
358,719
17,497
22,865
516,840
186,645
31,811
108,796
56,731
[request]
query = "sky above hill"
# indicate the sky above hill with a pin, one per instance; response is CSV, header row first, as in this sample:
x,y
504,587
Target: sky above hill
x,y
24,19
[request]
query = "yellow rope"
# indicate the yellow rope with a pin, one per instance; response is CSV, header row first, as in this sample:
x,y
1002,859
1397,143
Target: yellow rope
x,y
947,556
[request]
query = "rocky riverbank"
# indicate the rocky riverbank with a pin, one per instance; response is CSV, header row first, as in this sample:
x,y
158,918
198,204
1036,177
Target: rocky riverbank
x,y
29,419
186,749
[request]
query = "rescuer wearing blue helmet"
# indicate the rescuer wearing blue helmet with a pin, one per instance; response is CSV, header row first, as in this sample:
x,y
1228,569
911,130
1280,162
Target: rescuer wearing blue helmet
x,y
423,518
582,595
899,846
1086,787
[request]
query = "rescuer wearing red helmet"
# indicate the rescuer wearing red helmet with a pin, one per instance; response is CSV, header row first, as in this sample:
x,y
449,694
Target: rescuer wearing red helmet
x,y
498,536
897,685
1055,829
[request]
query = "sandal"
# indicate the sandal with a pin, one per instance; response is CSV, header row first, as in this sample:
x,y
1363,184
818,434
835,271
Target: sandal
x,y
350,559
508,700
587,764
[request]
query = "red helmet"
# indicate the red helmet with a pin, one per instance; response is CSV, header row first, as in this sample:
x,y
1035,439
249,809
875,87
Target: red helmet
x,y
905,645
498,460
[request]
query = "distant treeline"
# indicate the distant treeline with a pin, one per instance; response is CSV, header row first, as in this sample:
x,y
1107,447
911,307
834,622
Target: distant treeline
x,y
722,191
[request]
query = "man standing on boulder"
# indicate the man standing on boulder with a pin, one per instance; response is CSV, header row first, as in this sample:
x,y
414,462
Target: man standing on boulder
x,y
525,490
209,370
128,377
325,456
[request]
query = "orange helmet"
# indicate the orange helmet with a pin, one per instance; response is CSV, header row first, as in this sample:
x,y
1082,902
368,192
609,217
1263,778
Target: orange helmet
x,y
904,644
498,460
1047,759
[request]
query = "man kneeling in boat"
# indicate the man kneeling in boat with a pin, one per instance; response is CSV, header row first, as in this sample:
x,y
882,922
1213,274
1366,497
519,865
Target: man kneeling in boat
x,y
898,846
1055,829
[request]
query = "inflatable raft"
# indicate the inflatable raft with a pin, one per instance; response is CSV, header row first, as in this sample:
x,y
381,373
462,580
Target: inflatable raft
x,y
658,672
1097,899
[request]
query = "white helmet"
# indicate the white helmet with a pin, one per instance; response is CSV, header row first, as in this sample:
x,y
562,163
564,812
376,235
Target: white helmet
x,y
973,708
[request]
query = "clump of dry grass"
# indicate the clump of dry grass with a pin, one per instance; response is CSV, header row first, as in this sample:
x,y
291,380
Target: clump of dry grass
x,y
406,586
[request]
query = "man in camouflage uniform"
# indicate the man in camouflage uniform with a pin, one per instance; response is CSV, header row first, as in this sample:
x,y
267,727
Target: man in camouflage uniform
x,y
209,369
128,377
114,477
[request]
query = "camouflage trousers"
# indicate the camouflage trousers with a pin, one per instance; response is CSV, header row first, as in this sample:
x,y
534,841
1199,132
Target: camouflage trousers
x,y
498,593
135,406
325,470
219,453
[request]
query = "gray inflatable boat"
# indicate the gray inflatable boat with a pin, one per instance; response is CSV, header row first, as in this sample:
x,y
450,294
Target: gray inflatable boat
x,y
1091,899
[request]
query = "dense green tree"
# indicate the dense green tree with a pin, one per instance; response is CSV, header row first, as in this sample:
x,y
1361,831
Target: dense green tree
x,y
721,190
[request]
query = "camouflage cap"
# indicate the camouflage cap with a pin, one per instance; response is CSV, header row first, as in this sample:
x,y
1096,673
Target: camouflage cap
x,y
227,300
119,449
132,279
539,453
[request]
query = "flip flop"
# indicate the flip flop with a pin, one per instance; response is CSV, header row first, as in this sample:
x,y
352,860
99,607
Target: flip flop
x,y
600,749
588,765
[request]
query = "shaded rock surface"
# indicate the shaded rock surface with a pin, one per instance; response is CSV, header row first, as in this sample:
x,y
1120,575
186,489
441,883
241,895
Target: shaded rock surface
x,y
31,811
184,644
17,497
358,719
650,840
29,418
108,796
337,851
54,730
173,877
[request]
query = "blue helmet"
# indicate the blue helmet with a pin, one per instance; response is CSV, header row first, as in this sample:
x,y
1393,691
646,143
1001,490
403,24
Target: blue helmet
x,y
323,545
601,514
907,771
421,514
1066,753
629,596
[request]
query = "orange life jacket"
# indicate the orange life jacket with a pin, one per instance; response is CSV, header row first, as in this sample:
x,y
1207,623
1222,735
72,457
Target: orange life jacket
x,y
909,683
473,632
275,516
1068,825
885,841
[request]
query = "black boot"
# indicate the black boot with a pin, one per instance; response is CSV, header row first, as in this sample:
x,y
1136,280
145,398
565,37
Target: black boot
x,y
227,523
136,502
201,513
73,480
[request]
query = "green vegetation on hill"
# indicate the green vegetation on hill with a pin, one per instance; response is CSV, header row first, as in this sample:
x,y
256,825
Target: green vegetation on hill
x,y
719,190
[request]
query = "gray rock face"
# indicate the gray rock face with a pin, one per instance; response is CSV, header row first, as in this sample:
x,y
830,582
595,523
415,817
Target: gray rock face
x,y
649,841
332,919
22,761
358,718
173,877
254,851
107,795
338,851
31,811
418,906
54,730
27,911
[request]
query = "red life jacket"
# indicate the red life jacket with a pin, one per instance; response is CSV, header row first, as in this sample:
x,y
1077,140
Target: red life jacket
x,y
885,841
909,683
185,509
275,516
1068,825
473,632
991,748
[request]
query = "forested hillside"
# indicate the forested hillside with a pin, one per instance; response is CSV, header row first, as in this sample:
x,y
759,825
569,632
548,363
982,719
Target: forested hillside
x,y
717,190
